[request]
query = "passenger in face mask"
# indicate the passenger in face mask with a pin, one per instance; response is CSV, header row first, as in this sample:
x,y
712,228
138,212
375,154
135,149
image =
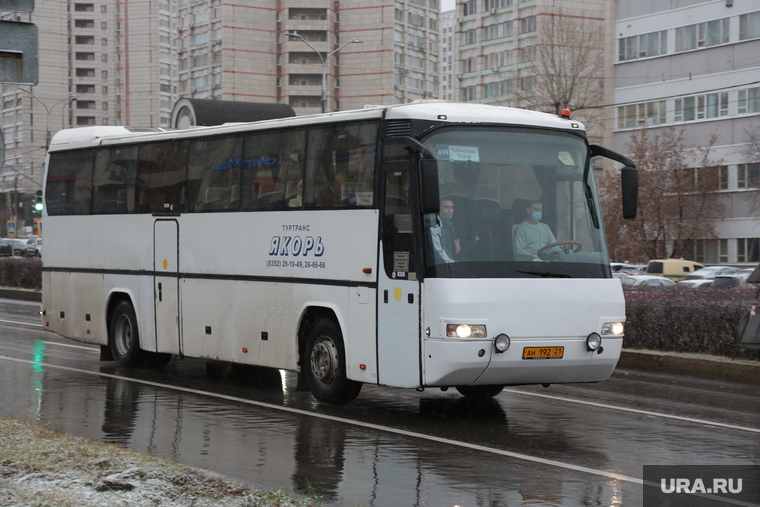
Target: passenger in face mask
x,y
532,235
445,241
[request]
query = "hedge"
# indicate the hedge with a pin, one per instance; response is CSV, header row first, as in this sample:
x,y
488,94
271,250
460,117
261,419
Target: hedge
x,y
25,273
688,320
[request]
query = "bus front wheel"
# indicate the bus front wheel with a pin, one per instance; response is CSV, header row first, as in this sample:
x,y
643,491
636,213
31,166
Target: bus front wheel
x,y
479,392
124,337
325,365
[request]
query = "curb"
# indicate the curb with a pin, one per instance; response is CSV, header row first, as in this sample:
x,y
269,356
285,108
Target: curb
x,y
706,368
22,294
644,360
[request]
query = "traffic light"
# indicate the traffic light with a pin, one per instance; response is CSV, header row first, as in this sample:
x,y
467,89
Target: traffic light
x,y
38,204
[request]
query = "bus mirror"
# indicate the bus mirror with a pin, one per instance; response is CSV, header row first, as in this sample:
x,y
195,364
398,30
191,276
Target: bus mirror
x,y
629,177
429,184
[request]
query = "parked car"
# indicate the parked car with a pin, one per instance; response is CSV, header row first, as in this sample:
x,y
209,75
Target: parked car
x,y
34,247
710,272
637,282
620,269
674,269
730,282
694,284
6,247
19,246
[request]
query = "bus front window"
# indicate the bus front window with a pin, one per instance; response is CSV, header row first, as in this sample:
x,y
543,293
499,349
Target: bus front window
x,y
515,203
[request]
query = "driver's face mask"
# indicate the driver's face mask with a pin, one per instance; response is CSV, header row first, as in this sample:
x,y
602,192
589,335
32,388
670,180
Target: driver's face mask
x,y
537,216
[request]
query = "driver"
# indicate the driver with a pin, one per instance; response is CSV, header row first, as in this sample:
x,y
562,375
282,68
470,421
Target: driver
x,y
531,235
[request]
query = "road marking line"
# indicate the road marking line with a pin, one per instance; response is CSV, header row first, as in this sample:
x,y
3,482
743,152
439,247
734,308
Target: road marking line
x,y
412,434
91,349
635,411
21,323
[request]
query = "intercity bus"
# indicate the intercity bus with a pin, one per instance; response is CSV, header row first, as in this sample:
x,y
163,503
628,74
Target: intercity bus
x,y
307,244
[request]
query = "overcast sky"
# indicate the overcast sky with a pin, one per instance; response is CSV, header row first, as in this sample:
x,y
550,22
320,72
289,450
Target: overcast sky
x,y
447,5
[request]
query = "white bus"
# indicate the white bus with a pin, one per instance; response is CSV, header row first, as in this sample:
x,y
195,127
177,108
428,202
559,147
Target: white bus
x,y
312,244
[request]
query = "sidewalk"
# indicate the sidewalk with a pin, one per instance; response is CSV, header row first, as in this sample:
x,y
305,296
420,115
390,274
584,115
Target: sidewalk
x,y
712,367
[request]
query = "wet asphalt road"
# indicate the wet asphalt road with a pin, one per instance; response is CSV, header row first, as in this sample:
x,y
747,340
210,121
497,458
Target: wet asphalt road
x,y
567,445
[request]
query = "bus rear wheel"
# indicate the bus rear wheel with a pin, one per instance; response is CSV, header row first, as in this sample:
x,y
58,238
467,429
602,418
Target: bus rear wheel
x,y
325,365
479,392
123,335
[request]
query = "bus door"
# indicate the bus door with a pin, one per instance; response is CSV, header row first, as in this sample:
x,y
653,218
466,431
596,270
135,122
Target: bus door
x,y
398,314
166,285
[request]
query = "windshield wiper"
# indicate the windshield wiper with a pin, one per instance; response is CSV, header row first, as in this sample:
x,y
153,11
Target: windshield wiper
x,y
546,274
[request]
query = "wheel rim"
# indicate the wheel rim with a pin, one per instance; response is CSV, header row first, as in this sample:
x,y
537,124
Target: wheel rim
x,y
324,361
123,335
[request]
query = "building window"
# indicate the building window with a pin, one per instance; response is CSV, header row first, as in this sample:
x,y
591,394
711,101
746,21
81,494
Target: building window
x,y
528,24
500,89
749,101
642,46
85,72
498,4
84,7
104,8
468,93
85,120
702,35
84,23
749,25
700,107
748,175
498,30
470,8
84,39
748,250
723,178
641,115
104,25
470,37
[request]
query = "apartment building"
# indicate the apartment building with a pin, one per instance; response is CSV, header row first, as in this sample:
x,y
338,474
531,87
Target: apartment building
x,y
694,65
127,62
448,55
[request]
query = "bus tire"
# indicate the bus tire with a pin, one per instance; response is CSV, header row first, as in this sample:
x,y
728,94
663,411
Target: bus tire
x,y
123,335
325,365
479,392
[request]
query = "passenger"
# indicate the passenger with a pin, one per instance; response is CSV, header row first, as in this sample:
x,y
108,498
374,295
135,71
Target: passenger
x,y
445,241
331,196
297,201
532,235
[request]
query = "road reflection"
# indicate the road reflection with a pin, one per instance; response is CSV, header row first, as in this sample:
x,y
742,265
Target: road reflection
x,y
343,463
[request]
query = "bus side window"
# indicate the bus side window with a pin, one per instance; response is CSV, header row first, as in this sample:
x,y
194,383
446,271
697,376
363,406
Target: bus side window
x,y
161,172
114,180
398,245
340,165
271,169
69,183
213,179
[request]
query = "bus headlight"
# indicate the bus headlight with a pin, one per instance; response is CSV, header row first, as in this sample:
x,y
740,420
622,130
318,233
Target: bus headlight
x,y
501,343
465,330
593,341
612,328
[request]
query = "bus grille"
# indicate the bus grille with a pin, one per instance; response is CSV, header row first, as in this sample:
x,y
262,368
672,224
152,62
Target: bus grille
x,y
398,128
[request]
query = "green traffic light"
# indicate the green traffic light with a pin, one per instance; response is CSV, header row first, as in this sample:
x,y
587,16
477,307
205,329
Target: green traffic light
x,y
38,205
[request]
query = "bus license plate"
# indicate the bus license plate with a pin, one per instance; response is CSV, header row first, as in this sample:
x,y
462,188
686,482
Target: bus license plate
x,y
543,352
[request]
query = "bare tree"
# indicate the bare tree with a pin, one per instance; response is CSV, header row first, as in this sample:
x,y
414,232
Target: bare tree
x,y
677,199
569,66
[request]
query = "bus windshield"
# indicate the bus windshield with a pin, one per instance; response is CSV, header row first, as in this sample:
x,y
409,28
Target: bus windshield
x,y
514,203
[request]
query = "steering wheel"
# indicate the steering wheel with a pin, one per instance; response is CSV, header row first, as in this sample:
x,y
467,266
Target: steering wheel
x,y
565,246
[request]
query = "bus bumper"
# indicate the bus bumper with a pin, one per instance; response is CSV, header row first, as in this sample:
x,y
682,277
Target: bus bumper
x,y
460,362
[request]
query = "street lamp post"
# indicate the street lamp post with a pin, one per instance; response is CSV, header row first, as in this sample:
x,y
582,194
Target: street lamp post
x,y
324,62
49,110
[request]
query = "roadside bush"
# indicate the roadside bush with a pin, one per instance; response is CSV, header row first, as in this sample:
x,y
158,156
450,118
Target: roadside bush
x,y
22,273
691,321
